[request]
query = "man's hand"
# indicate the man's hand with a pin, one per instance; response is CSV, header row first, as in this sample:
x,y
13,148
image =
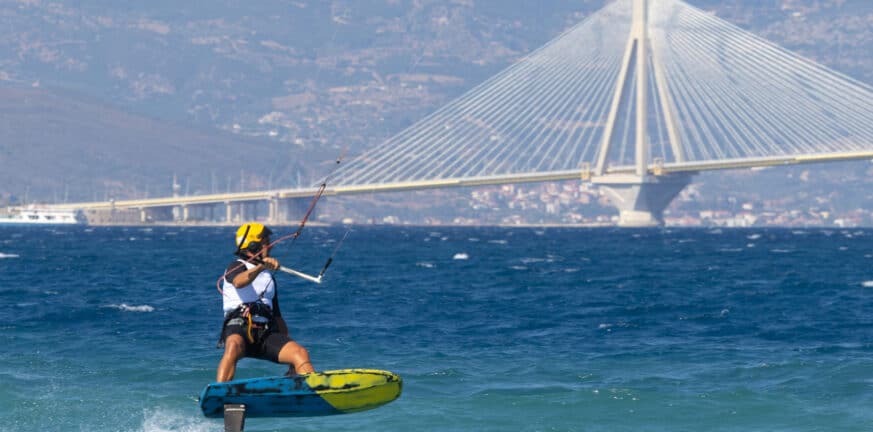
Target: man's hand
x,y
270,263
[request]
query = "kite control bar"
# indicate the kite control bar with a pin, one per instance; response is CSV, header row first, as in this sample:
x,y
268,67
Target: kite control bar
x,y
316,279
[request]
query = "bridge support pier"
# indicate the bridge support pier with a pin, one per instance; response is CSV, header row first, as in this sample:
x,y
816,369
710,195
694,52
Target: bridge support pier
x,y
641,200
273,215
242,211
292,209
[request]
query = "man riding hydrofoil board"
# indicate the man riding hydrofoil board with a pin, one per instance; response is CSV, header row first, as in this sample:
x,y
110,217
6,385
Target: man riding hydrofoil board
x,y
253,324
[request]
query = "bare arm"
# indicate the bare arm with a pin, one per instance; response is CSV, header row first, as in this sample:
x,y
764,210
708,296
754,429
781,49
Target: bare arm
x,y
248,276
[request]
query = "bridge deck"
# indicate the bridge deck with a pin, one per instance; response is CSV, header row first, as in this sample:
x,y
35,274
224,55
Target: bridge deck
x,y
654,169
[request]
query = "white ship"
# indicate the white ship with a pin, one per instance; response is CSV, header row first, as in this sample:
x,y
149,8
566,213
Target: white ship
x,y
37,216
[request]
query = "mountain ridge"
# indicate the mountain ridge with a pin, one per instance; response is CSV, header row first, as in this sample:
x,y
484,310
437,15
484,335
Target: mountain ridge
x,y
51,130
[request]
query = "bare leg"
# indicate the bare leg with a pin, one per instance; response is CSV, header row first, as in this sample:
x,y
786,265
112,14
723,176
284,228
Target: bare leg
x,y
295,355
234,349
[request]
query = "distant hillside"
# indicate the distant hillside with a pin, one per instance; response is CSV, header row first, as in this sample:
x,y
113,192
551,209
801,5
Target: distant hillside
x,y
299,79
54,145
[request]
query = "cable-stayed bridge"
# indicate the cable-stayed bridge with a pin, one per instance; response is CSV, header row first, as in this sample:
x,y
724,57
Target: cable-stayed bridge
x,y
636,98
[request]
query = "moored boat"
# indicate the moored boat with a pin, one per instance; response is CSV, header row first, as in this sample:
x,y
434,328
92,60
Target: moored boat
x,y
40,216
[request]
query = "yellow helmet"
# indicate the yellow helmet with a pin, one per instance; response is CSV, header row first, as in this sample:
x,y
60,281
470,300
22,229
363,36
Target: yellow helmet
x,y
250,236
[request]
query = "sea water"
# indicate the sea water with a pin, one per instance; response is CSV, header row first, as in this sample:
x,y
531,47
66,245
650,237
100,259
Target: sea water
x,y
492,329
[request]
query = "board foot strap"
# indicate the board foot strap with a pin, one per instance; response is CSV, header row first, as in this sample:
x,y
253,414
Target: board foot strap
x,y
234,417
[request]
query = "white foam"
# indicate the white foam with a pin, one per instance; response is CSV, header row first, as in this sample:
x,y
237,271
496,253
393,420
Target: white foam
x,y
5,255
163,420
867,284
531,260
424,264
461,256
127,308
753,236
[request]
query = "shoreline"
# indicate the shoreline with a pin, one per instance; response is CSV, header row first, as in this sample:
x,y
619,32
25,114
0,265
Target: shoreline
x,y
525,225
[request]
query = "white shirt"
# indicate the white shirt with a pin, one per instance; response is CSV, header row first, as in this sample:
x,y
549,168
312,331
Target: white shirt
x,y
262,289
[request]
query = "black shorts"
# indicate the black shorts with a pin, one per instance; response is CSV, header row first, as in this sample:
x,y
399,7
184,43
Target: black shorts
x,y
266,347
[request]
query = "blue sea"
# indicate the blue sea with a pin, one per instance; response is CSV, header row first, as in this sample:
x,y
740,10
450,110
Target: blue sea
x,y
492,329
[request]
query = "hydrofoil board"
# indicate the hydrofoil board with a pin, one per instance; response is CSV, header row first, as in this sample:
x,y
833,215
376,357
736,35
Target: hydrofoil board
x,y
315,394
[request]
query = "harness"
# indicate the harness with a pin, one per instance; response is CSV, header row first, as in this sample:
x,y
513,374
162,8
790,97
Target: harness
x,y
256,317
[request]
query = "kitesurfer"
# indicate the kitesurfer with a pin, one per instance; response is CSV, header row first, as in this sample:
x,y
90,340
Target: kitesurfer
x,y
253,323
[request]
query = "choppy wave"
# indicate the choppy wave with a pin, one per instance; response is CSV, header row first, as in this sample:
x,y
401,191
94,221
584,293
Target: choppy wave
x,y
461,256
5,255
128,308
505,332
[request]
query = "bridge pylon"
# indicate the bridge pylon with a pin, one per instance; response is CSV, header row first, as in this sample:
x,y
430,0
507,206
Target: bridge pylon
x,y
640,197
